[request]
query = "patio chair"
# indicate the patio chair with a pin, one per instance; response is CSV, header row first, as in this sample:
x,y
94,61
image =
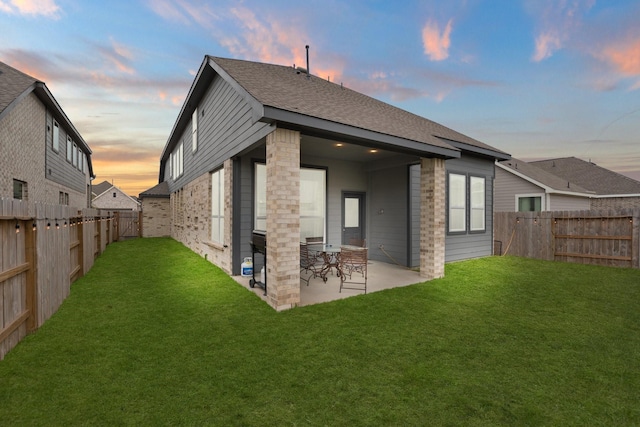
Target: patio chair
x,y
310,263
353,261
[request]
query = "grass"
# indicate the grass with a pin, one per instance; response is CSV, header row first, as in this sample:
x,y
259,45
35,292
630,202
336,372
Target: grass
x,y
155,335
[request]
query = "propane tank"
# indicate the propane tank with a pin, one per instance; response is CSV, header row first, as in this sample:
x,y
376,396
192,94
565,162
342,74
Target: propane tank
x,y
262,274
247,267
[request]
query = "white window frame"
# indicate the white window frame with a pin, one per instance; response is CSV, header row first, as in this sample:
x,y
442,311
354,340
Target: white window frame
x,y
75,155
69,149
477,207
457,204
217,206
55,137
194,131
177,162
543,204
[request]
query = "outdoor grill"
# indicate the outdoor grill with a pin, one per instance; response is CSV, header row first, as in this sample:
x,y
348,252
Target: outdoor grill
x,y
259,246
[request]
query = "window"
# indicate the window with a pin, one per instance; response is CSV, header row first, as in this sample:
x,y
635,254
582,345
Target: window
x,y
69,149
114,194
194,131
75,155
477,203
530,204
177,162
457,203
63,198
312,200
19,190
217,206
80,156
55,138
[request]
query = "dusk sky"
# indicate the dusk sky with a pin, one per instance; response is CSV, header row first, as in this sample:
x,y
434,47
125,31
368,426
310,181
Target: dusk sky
x,y
535,78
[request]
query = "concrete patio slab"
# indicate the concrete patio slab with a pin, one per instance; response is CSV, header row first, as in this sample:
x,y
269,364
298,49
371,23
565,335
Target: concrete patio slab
x,y
380,275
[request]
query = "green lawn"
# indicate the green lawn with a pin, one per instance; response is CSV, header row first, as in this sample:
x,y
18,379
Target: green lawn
x,y
155,335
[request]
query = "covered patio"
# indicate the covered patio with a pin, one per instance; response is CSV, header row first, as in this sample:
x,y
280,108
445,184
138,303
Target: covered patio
x,y
380,276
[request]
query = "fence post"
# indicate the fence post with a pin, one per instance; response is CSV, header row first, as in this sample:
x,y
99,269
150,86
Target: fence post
x,y
32,275
116,216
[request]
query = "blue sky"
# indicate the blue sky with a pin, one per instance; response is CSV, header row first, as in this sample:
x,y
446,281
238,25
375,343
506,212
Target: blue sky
x,y
534,78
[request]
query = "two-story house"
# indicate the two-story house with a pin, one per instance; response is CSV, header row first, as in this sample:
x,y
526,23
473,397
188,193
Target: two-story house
x,y
43,157
275,149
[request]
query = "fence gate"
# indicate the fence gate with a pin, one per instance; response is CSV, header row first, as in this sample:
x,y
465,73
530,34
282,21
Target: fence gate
x,y
127,224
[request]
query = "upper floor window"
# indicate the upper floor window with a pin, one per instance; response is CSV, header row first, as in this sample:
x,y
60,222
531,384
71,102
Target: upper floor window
x,y
194,130
55,138
177,162
69,149
80,156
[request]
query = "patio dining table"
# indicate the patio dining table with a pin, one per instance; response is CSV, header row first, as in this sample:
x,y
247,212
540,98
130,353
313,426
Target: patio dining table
x,y
330,254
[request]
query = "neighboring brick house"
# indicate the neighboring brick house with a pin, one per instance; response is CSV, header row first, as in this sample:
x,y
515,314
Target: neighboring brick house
x,y
109,197
272,148
559,184
43,158
156,211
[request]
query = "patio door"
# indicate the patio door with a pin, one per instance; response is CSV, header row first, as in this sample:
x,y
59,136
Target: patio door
x,y
353,217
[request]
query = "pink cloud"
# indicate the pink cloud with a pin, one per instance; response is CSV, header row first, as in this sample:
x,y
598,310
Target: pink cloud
x,y
556,21
546,45
625,57
47,8
436,44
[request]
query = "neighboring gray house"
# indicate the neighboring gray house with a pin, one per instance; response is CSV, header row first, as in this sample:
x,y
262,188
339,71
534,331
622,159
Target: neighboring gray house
x,y
43,158
272,148
109,197
561,184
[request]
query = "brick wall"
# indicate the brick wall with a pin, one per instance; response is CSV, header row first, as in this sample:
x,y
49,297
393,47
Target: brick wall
x,y
22,138
283,219
156,217
191,207
432,221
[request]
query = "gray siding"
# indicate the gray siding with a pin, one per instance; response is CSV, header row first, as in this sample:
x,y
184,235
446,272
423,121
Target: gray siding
x,y
389,215
508,186
225,127
57,168
473,245
560,202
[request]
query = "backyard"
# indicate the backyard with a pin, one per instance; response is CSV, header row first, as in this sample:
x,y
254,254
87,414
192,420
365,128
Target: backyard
x,y
156,335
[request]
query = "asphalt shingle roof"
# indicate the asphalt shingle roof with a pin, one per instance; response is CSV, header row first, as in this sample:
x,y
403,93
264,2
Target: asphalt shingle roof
x,y
543,177
289,89
12,84
589,175
160,190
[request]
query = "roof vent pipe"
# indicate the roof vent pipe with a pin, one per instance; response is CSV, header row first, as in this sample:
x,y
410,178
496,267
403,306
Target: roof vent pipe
x,y
307,47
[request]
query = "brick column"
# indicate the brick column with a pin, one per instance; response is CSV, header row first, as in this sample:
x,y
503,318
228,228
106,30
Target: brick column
x,y
432,219
283,219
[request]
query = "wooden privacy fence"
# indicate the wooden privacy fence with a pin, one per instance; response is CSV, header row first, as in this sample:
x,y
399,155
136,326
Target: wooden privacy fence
x,y
610,238
43,249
